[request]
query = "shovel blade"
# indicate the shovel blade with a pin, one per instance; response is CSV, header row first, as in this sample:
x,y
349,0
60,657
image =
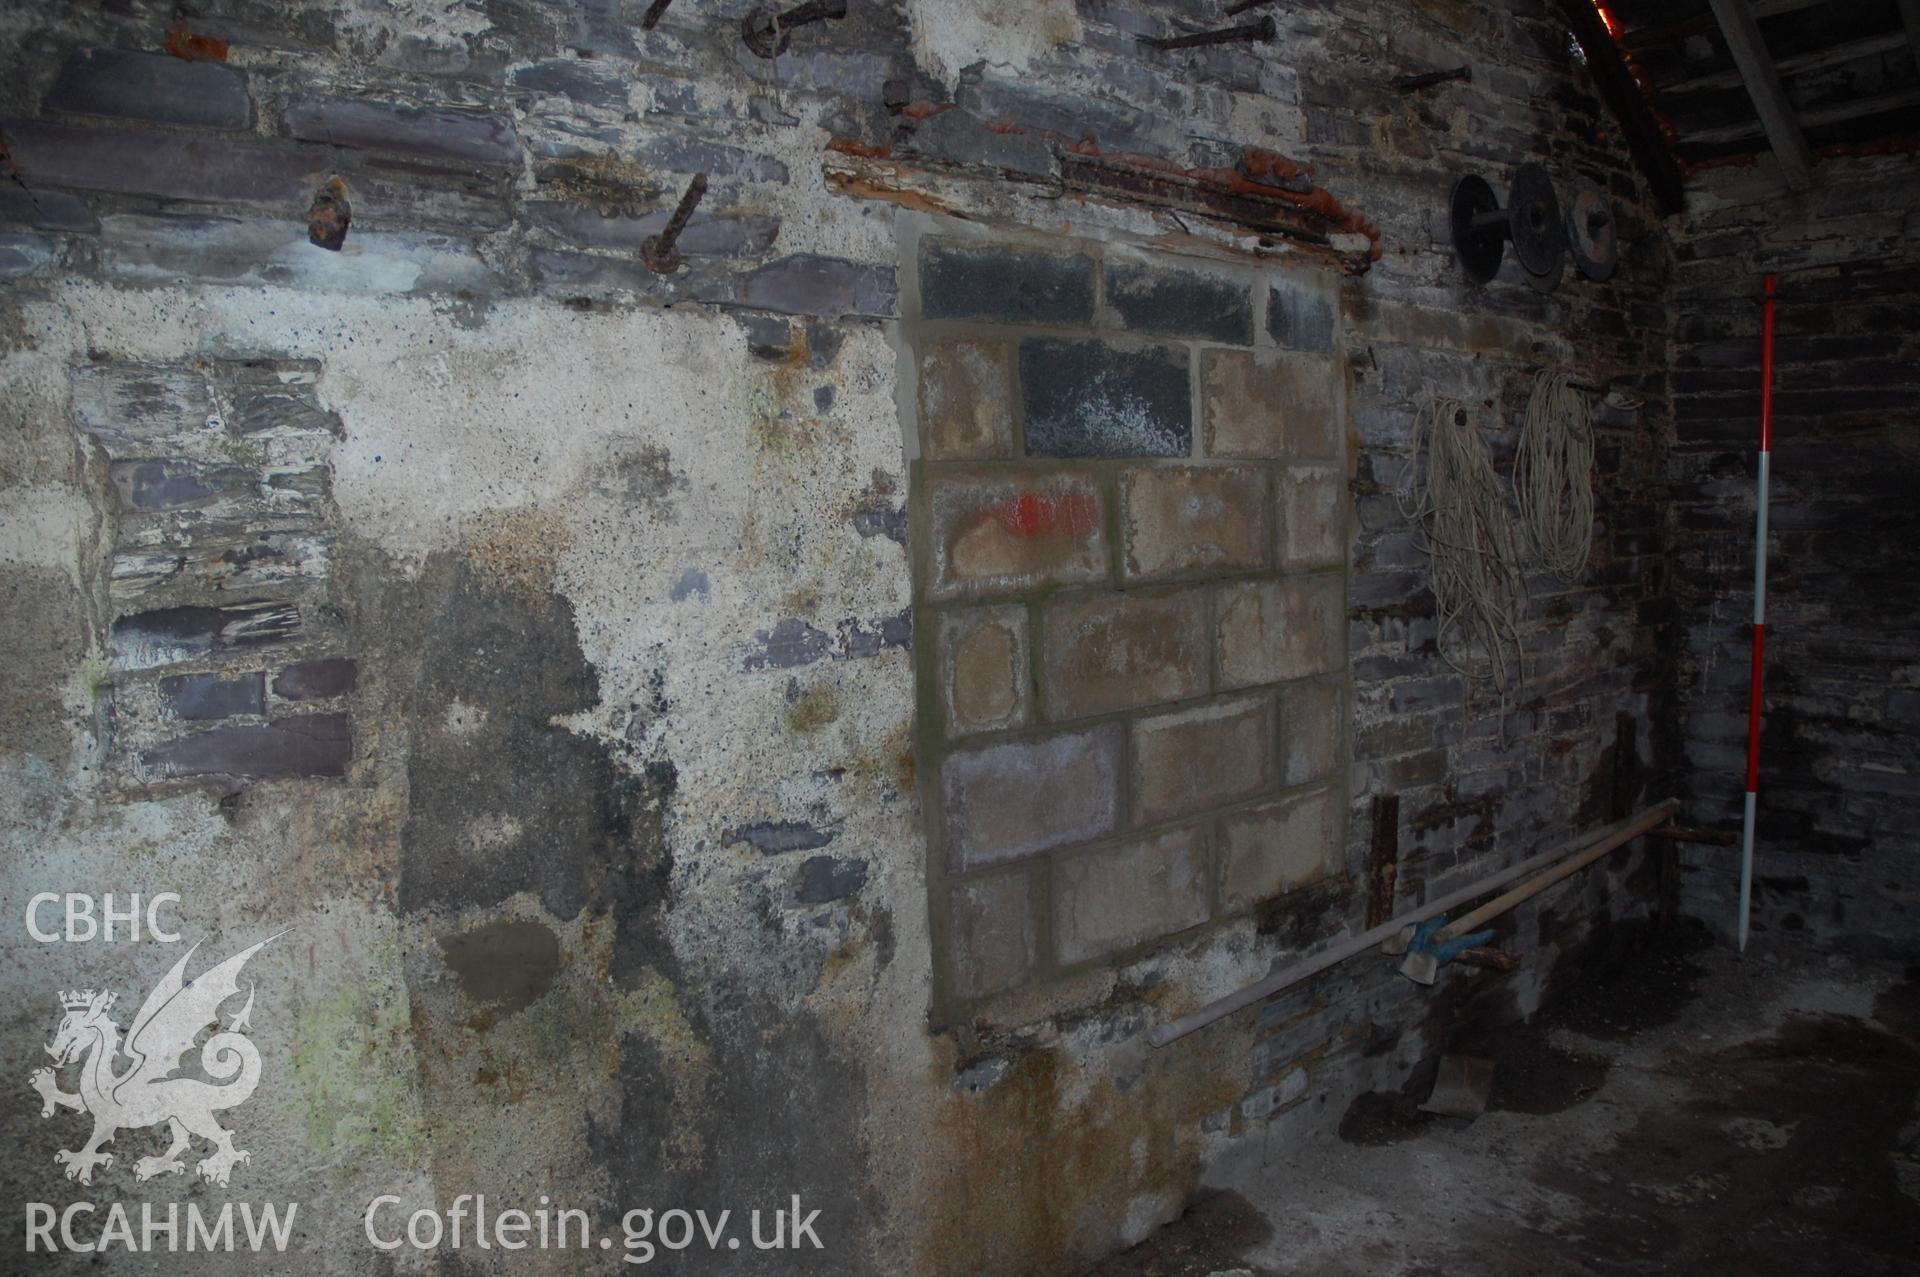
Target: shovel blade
x,y
1461,1087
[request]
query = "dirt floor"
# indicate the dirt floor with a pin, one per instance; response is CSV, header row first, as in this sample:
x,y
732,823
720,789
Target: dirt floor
x,y
1694,1113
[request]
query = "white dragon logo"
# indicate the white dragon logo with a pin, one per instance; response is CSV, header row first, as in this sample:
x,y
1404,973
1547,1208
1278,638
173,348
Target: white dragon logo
x,y
147,1093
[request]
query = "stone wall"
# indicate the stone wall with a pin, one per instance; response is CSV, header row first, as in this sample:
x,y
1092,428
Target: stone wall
x,y
1133,528
1838,787
605,865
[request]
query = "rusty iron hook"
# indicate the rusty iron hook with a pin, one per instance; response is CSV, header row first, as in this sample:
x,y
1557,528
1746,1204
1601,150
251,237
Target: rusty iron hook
x,y
768,33
658,251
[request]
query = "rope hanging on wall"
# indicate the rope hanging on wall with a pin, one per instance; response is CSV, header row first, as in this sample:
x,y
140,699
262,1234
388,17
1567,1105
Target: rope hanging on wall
x,y
1458,507
1553,475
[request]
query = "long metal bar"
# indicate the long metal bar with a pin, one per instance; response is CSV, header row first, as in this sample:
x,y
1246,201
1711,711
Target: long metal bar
x,y
1757,685
1618,834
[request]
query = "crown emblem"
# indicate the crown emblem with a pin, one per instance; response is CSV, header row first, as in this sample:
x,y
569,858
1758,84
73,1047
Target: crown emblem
x,y
81,999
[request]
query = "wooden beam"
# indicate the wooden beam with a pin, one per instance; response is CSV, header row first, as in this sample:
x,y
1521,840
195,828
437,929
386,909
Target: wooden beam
x,y
1673,33
1816,117
1801,63
1910,19
1623,97
1750,54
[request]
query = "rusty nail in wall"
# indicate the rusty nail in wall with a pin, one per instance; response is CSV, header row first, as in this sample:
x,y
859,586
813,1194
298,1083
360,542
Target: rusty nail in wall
x,y
653,13
1247,33
768,33
658,251
329,215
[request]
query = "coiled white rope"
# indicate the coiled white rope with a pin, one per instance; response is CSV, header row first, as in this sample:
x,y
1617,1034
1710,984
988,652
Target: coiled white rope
x,y
1462,521
1553,475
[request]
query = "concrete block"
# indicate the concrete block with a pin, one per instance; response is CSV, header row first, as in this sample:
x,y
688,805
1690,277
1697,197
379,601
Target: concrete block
x,y
1188,520
998,532
1277,847
1119,651
1199,758
1300,316
1112,899
984,677
1179,303
1310,517
966,400
1005,285
1090,399
1272,631
1010,800
434,132
990,934
1270,405
151,86
316,745
1312,730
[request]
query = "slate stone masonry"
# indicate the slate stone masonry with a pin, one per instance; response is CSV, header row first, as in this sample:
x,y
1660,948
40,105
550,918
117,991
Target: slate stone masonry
x,y
1130,564
223,655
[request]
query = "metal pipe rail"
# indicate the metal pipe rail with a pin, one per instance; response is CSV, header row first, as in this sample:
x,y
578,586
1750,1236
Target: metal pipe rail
x,y
1616,835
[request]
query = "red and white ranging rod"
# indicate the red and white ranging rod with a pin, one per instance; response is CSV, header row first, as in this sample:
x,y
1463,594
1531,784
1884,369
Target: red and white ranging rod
x,y
1758,685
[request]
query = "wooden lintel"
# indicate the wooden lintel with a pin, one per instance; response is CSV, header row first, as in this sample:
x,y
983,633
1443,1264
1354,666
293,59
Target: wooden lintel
x,y
1619,90
1762,77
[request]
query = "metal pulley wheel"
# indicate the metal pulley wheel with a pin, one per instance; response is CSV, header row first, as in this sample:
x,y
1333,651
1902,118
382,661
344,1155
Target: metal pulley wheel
x,y
1592,237
1533,217
1479,227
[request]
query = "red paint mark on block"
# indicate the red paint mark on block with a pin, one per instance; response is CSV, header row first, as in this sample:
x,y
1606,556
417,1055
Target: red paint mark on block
x,y
1039,514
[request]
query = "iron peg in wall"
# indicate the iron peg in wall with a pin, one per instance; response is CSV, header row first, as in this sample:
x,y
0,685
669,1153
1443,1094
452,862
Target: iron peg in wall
x,y
1414,83
1247,33
768,33
658,251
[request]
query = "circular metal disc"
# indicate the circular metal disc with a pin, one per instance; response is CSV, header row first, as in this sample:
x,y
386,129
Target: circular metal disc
x,y
1590,230
1480,250
1549,281
1539,237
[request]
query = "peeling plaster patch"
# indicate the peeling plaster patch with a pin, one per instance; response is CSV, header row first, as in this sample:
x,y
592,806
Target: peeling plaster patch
x,y
793,642
462,719
692,581
1008,35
